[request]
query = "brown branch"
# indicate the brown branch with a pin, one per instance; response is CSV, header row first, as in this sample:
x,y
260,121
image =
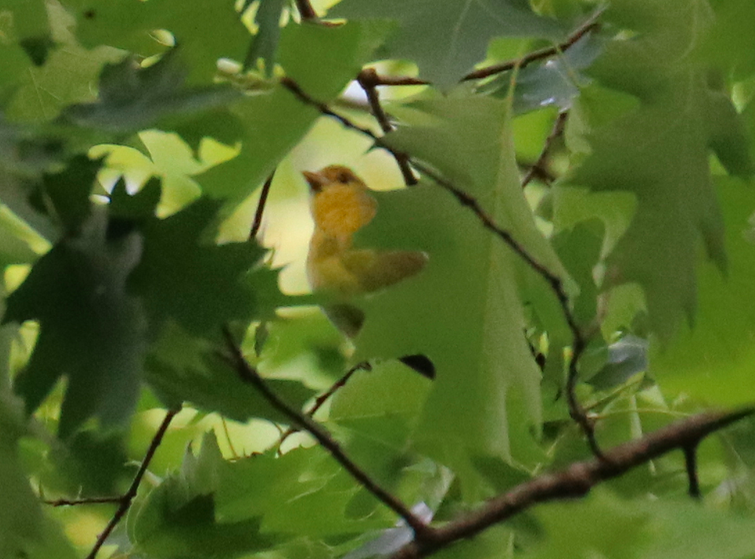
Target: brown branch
x,y
126,499
84,501
575,481
249,375
579,340
539,167
493,69
324,397
257,223
367,79
528,59
306,11
690,464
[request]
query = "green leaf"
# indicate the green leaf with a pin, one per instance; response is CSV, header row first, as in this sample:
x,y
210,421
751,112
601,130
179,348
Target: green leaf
x,y
554,82
183,275
26,40
184,368
446,39
91,330
64,196
606,525
92,464
276,120
303,492
68,74
133,98
658,151
712,359
486,395
20,515
377,411
204,31
179,520
14,241
730,45
265,42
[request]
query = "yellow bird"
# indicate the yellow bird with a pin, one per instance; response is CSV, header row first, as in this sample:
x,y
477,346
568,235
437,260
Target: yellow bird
x,y
341,205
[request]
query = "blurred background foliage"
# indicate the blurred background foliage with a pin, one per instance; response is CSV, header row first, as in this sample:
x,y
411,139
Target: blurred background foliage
x,y
134,141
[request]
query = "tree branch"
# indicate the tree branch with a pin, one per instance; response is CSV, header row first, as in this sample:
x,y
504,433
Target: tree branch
x,y
493,69
257,223
249,374
126,499
690,464
579,340
575,481
324,397
306,11
367,79
528,59
84,501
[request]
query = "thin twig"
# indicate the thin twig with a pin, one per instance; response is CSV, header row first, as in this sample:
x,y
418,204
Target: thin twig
x,y
324,397
538,168
579,340
367,80
306,11
84,501
257,223
528,59
128,496
690,464
575,481
249,374
493,69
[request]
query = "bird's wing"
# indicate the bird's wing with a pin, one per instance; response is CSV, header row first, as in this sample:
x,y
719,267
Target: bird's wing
x,y
378,269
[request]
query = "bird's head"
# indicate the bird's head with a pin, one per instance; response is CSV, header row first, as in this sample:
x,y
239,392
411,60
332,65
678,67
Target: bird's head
x,y
332,175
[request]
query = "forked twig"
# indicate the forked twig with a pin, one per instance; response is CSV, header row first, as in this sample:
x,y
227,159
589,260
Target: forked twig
x,y
126,499
249,375
367,79
322,398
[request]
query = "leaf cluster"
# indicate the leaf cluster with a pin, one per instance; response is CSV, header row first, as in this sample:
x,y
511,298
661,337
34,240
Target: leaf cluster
x,y
613,289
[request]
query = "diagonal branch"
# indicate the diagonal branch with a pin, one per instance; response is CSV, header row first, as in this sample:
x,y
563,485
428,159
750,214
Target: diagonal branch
x,y
324,397
257,223
367,79
249,375
126,499
528,59
501,67
306,11
579,340
575,481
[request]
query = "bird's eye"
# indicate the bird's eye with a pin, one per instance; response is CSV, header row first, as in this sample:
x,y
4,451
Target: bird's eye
x,y
343,177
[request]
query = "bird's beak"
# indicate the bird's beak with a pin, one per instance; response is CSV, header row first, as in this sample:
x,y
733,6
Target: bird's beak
x,y
315,180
